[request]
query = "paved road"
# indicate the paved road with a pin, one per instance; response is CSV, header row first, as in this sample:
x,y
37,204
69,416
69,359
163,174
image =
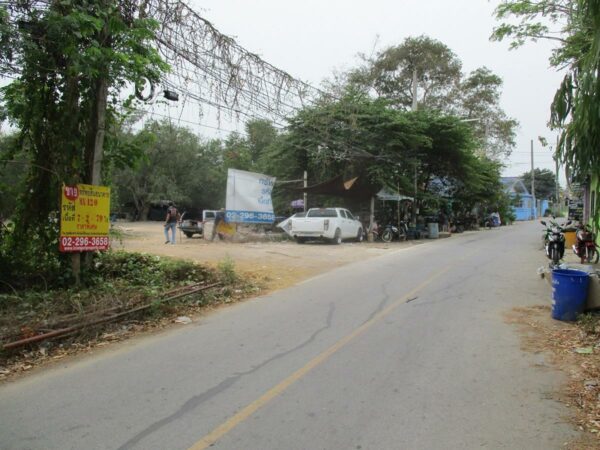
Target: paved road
x,y
405,351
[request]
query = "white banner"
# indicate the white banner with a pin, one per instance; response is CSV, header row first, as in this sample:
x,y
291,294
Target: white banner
x,y
249,197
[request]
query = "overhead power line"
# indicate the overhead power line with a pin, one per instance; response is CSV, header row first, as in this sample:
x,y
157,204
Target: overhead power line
x,y
213,69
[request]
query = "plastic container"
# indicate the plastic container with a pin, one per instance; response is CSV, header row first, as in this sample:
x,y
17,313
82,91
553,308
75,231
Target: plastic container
x,y
433,229
570,238
569,293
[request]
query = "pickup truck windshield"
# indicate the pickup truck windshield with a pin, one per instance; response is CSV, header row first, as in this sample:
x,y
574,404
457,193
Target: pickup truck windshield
x,y
325,212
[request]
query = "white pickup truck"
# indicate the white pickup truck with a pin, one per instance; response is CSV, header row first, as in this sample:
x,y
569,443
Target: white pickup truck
x,y
332,224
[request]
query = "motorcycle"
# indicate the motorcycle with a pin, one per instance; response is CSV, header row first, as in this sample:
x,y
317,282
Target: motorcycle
x,y
392,232
492,221
554,241
585,247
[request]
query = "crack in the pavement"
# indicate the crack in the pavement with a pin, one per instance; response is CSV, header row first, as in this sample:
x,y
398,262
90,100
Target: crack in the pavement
x,y
197,400
386,298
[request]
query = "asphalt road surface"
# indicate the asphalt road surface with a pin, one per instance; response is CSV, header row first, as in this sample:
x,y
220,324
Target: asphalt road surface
x,y
405,351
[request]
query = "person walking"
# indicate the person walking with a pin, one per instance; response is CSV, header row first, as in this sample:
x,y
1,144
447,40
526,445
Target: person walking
x,y
219,218
171,223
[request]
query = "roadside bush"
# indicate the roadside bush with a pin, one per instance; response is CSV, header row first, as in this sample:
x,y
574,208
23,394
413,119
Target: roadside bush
x,y
227,272
116,281
33,262
147,270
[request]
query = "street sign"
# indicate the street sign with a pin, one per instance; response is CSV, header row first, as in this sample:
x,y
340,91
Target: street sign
x,y
84,218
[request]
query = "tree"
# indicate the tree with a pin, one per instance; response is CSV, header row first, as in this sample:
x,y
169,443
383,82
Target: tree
x,y
341,136
477,99
13,177
70,60
357,135
441,86
573,25
176,165
480,188
394,71
261,134
545,183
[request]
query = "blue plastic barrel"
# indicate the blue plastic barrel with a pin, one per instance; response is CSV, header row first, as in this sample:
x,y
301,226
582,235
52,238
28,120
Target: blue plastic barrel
x,y
569,293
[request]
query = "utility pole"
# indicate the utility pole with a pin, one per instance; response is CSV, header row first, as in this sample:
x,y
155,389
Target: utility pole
x,y
414,90
371,220
557,209
415,106
534,206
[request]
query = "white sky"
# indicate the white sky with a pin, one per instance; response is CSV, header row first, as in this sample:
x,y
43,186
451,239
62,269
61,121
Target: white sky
x,y
311,38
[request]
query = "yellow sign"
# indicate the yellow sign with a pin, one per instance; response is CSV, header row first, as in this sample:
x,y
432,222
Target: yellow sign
x,y
84,218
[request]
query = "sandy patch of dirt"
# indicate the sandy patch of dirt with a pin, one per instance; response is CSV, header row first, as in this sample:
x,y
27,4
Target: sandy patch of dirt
x,y
279,264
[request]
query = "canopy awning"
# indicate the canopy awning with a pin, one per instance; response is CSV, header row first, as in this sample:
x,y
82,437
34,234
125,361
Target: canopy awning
x,y
354,187
386,195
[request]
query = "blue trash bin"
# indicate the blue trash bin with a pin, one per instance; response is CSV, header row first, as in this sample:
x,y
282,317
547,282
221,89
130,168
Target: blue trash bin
x,y
569,293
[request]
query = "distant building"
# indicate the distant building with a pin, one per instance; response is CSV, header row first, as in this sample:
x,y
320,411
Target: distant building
x,y
524,210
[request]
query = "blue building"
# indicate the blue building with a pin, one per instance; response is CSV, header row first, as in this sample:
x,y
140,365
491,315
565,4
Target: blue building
x,y
515,187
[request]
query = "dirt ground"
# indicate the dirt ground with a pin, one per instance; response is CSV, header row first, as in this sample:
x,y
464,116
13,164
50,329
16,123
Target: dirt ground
x,y
573,348
279,263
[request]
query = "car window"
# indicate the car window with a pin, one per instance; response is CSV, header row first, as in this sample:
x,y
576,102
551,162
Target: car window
x,y
322,212
342,214
350,216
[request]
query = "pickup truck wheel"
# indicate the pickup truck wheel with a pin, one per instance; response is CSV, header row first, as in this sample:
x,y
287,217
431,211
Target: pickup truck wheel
x,y
300,240
337,237
188,234
360,236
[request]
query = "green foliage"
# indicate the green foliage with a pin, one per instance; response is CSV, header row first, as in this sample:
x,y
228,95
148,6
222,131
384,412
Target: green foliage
x,y
358,135
524,20
67,58
545,183
481,189
441,86
576,104
390,73
138,269
37,263
477,98
175,165
13,171
574,24
116,281
227,273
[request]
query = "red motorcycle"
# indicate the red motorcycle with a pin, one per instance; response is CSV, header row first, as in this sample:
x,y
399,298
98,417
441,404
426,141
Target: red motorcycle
x,y
585,247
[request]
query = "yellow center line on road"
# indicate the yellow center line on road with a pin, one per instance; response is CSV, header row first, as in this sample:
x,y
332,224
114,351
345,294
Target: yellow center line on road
x,y
250,409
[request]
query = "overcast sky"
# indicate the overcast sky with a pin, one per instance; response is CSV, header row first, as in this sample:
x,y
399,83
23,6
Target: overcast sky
x,y
310,39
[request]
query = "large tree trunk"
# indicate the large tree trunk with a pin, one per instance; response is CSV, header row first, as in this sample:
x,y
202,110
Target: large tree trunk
x,y
144,213
96,133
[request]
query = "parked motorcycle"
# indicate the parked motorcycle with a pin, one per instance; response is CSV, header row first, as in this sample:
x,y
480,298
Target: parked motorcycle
x,y
392,232
585,247
554,241
492,221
